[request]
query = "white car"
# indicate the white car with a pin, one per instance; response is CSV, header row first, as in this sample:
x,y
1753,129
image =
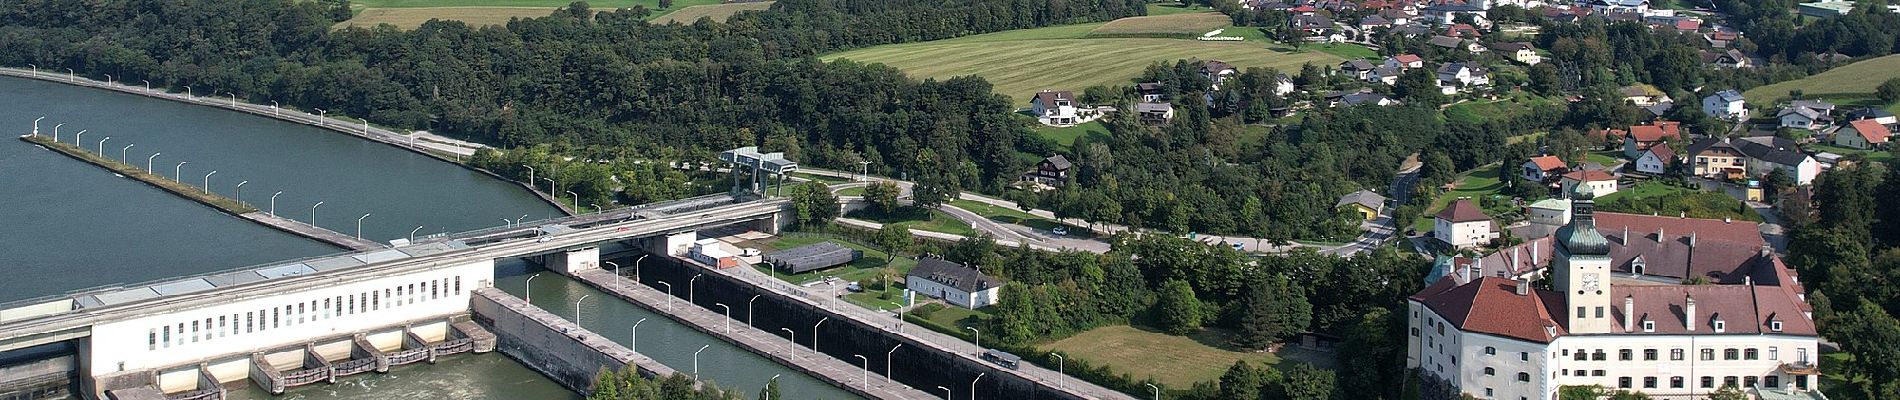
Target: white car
x,y
1060,231
749,252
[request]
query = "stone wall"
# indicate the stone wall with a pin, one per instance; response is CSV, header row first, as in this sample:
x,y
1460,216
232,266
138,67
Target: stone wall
x,y
553,346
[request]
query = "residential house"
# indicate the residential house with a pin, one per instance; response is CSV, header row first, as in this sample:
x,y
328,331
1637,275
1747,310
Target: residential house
x,y
1365,97
1385,74
1054,107
1730,58
1462,225
1372,22
1462,31
1454,77
1365,203
1597,183
1656,160
1726,104
1313,24
1618,6
1806,114
958,285
1643,137
1751,157
1155,113
1217,71
1359,69
1282,85
1521,52
1152,91
1053,171
1447,13
1658,110
1642,95
1544,168
1878,115
1398,16
1405,61
1865,134
1720,39
1452,43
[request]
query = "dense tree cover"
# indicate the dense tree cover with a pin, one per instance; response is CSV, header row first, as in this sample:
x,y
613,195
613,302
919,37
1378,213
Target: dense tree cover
x,y
1848,256
627,384
1779,33
610,80
635,180
813,204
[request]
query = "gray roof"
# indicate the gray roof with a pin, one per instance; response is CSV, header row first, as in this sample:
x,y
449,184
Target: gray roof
x,y
1772,149
1446,41
1659,109
963,278
1455,8
813,256
1868,113
1362,98
1058,161
1153,107
1728,96
1360,65
1363,197
1809,113
1816,105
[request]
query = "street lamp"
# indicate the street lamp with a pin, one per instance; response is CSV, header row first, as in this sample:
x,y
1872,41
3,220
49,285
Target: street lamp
x,y
148,162
36,70
70,76
690,288
122,151
696,362
946,392
56,130
101,150
178,171
148,86
518,220
187,93
887,362
867,371
359,225
748,309
636,266
814,334
108,78
528,289
728,316
577,200
1059,365
273,203
791,342
863,169
979,338
1156,389
973,385
273,108
208,181
669,295
36,126
577,311
530,176
550,186
313,213
233,98
412,233
238,192
76,139
634,343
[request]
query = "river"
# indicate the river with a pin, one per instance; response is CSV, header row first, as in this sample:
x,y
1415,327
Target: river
x,y
73,225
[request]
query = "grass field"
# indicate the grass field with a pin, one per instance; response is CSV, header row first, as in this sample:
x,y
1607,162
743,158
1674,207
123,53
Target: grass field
x,y
1066,136
410,18
1660,198
1346,51
1850,85
918,219
1875,155
1477,183
1175,8
1183,25
863,268
1005,214
1019,63
718,12
1178,361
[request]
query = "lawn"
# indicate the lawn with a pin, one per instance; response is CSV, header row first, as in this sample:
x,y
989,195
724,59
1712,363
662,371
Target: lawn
x,y
1066,136
1177,361
1852,84
410,18
1174,8
1843,151
851,191
1183,25
1478,112
1663,199
1019,63
1346,51
825,179
918,219
1605,157
862,269
1475,184
718,12
1005,215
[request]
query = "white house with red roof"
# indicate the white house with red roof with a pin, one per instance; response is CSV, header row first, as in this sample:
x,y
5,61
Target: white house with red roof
x,y
1597,182
1642,137
1480,328
1862,134
1544,168
1463,225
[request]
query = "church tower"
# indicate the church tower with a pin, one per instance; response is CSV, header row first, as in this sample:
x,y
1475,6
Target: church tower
x,y
1581,269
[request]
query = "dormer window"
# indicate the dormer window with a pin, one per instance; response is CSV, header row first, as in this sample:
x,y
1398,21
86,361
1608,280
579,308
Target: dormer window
x,y
1774,326
1649,326
1720,326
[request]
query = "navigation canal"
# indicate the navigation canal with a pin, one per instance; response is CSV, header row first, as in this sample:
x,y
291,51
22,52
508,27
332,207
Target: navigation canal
x,y
73,225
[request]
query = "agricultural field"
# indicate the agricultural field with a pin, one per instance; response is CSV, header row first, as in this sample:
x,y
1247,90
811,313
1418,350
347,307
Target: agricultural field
x,y
1178,361
408,14
1020,63
1185,25
1849,85
718,12
1066,136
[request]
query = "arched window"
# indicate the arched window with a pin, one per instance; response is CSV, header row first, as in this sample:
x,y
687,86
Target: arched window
x,y
1523,377
1490,371
1490,351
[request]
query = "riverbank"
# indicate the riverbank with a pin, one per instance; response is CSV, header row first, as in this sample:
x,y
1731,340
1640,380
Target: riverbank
x,y
224,204
437,149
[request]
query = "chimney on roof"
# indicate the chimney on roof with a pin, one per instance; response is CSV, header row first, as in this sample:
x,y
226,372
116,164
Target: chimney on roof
x,y
1748,280
1626,235
1691,239
1682,214
1516,258
1688,312
1629,313
1523,287
1727,220
1766,250
1659,234
1533,251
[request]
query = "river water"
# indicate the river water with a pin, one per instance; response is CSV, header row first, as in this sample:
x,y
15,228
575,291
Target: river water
x,y
75,226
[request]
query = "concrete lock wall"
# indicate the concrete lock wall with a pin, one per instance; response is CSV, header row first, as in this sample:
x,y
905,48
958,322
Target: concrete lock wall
x,y
842,338
553,346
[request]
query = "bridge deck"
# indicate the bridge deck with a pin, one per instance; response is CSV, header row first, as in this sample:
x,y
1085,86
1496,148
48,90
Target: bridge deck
x,y
313,232
769,345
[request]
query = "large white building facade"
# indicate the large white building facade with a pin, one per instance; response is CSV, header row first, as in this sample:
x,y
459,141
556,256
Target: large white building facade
x,y
1489,334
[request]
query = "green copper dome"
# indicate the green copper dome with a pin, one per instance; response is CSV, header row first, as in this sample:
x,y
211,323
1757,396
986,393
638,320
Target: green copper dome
x,y
1580,237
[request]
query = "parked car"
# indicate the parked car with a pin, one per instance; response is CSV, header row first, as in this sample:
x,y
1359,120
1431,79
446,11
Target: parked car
x,y
854,287
1237,246
749,252
1060,231
1001,358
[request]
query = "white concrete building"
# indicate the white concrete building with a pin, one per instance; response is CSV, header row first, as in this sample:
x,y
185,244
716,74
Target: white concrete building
x,y
1498,338
1597,183
1727,104
1054,108
956,284
1462,225
1656,160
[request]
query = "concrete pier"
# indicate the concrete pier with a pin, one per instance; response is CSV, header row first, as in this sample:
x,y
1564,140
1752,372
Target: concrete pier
x,y
310,231
831,370
555,347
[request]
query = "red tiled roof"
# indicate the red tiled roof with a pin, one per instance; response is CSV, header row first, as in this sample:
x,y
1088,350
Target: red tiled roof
x,y
1408,58
1492,305
1549,163
1872,131
1663,153
1651,133
1744,309
1688,25
1463,210
1589,175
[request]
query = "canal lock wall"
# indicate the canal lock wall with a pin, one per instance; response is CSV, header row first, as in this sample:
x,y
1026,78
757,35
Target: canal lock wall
x,y
555,347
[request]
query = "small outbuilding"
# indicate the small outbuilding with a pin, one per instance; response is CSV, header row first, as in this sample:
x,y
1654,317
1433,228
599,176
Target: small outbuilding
x,y
812,257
